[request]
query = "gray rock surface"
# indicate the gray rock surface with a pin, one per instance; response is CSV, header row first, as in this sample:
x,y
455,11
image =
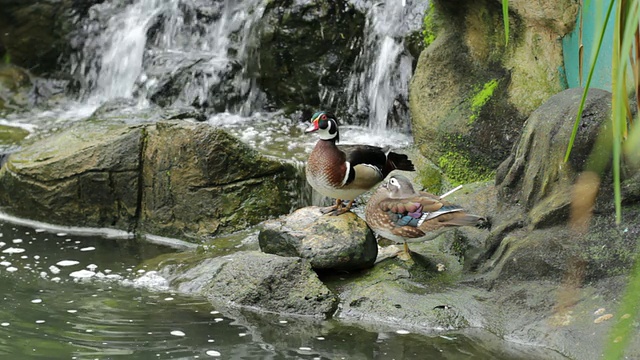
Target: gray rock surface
x,y
329,242
251,279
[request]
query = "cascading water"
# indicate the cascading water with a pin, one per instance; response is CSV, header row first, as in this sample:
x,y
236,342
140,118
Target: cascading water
x,y
197,53
378,86
171,51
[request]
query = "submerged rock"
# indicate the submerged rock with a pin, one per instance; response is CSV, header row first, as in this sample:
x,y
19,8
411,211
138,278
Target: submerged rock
x,y
329,242
258,281
175,178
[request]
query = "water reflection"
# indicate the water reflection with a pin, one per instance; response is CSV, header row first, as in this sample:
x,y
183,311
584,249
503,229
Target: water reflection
x,y
49,311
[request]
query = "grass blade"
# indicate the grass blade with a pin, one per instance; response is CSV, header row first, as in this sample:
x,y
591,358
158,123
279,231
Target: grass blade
x,y
594,59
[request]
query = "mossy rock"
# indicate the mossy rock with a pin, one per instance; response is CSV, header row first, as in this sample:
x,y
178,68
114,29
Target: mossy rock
x,y
300,42
471,92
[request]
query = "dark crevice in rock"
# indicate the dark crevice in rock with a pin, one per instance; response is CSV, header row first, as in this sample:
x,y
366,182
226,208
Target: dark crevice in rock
x,y
141,163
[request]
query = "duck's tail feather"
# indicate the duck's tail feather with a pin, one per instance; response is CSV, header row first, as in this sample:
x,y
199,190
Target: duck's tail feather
x,y
397,161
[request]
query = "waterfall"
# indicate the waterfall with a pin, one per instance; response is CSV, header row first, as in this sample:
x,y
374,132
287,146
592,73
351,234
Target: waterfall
x,y
378,85
140,48
201,53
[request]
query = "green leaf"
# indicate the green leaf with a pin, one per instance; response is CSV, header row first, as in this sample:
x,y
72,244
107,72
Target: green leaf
x,y
505,17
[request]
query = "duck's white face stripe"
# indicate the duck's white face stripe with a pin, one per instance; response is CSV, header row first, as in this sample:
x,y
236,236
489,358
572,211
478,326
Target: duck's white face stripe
x,y
346,174
330,132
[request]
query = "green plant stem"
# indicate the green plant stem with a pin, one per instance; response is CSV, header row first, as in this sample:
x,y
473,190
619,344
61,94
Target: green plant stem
x,y
594,59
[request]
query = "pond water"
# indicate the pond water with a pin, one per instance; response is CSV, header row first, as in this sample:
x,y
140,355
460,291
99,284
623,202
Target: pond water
x,y
68,296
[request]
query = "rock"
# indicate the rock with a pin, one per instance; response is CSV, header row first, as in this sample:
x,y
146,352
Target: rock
x,y
176,178
329,242
535,177
530,240
296,42
87,175
198,181
35,33
10,138
470,94
258,281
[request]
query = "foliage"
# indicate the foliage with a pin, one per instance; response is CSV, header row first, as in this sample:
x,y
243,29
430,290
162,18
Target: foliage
x,y
429,27
481,97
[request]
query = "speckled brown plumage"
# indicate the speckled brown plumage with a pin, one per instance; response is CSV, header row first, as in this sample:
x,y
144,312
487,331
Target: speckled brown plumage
x,y
399,213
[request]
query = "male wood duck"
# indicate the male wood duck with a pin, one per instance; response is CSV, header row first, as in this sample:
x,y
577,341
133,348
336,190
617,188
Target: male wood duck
x,y
399,213
343,172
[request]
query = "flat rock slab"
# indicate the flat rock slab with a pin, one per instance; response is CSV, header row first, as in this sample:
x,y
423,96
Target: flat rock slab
x,y
251,279
342,242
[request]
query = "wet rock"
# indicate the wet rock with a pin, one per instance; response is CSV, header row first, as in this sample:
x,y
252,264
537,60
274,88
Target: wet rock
x,y
176,178
297,45
35,33
85,176
15,84
470,94
329,242
535,177
266,282
198,180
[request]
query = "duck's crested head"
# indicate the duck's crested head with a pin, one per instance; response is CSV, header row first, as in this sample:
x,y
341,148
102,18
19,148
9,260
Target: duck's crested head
x,y
325,124
398,187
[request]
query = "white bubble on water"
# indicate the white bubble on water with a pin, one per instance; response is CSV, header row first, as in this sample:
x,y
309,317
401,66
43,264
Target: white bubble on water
x,y
5,263
88,248
12,250
17,241
402,332
61,234
5,324
40,230
67,263
168,299
40,321
36,301
82,274
72,311
92,267
56,279
12,269
54,269
213,353
2,244
43,274
304,348
177,333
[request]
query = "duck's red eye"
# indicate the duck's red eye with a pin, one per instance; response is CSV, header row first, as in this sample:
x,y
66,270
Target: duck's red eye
x,y
323,117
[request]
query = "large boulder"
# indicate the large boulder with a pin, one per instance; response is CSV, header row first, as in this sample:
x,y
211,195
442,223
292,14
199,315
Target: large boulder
x,y
329,242
34,33
470,93
198,180
297,44
87,175
531,239
173,178
254,280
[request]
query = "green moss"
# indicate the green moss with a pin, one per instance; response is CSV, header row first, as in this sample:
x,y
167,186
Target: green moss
x,y
430,177
6,58
481,98
461,170
429,25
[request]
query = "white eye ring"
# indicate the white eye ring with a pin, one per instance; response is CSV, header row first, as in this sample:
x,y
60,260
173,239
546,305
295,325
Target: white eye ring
x,y
394,182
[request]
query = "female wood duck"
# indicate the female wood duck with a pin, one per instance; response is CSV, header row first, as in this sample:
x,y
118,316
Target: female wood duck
x,y
346,171
399,213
